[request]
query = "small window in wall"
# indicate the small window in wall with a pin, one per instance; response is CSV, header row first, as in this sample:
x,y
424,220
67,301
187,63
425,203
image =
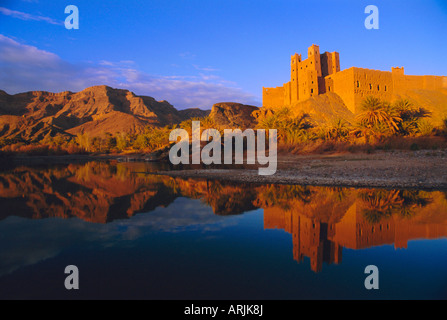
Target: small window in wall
x,y
370,86
378,87
311,90
329,88
358,84
385,88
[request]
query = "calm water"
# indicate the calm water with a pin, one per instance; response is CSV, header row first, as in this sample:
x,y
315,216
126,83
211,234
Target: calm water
x,y
134,235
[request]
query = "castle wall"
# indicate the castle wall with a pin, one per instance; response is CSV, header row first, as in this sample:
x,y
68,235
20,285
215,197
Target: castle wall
x,y
287,94
434,82
371,83
403,83
342,83
273,97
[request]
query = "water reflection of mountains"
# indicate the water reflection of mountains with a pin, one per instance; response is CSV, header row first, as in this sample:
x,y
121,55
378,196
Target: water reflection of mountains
x,y
322,220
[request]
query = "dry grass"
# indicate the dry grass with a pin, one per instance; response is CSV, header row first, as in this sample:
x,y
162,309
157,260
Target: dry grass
x,y
41,149
392,143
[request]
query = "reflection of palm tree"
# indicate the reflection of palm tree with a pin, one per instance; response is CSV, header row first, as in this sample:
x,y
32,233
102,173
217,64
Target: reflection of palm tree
x,y
372,216
283,196
384,203
340,194
413,199
381,201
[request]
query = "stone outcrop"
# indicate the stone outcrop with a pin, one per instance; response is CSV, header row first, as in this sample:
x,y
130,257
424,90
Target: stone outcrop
x,y
233,115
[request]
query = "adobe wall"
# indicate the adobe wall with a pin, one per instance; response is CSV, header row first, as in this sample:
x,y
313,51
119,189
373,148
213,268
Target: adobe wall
x,y
287,94
403,83
342,83
273,97
369,82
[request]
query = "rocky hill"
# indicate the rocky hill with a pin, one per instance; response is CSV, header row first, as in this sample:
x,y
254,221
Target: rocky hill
x,y
233,115
97,110
324,109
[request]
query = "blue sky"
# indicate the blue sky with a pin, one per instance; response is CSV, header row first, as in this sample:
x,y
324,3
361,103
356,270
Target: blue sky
x,y
195,53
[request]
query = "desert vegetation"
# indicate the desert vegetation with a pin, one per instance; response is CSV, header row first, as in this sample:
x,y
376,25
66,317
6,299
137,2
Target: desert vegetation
x,y
380,126
153,138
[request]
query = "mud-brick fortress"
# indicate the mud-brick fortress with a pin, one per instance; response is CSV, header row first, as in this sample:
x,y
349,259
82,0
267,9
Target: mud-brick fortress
x,y
320,73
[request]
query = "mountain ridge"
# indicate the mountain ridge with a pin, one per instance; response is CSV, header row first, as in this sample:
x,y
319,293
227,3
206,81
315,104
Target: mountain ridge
x,y
97,110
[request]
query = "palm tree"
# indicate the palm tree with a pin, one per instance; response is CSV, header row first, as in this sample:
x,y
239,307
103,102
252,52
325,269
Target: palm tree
x,y
338,130
410,116
290,128
403,105
376,113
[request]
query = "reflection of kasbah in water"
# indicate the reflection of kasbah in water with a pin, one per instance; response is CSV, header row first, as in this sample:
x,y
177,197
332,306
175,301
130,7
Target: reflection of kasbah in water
x,y
356,219
321,220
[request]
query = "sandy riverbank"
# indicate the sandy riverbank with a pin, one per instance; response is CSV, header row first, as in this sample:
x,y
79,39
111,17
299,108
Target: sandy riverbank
x,y
423,169
395,169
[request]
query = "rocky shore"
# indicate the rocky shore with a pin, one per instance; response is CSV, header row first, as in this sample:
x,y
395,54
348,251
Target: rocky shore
x,y
395,169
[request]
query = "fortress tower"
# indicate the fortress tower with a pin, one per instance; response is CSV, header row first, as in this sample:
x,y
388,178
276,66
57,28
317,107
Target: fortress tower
x,y
320,73
306,78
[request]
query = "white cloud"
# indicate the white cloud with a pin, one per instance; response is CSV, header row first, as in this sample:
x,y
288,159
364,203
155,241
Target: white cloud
x,y
26,16
187,55
27,68
207,69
